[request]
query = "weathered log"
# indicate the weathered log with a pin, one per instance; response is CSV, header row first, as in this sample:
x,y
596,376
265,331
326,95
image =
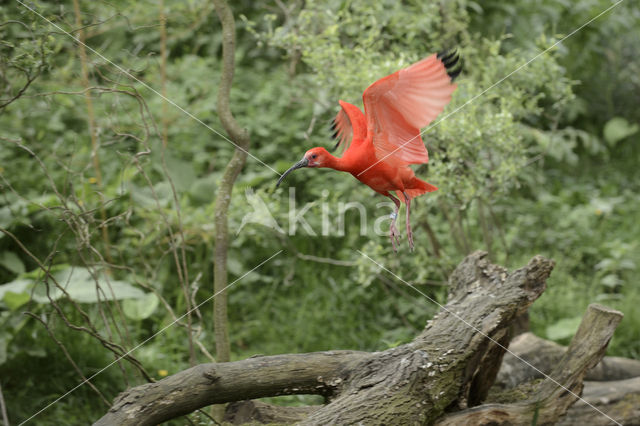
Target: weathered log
x,y
620,399
546,401
545,354
451,363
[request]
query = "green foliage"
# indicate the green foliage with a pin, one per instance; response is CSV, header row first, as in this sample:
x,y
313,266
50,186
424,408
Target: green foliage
x,y
529,157
75,283
617,129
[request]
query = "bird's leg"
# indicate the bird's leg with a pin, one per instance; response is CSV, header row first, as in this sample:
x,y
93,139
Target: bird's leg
x,y
393,231
407,200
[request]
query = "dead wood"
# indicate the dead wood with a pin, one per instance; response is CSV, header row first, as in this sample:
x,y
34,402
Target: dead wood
x,y
545,354
620,399
545,402
442,375
206,384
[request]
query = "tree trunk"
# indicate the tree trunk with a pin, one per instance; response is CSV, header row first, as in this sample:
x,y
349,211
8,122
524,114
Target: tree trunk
x,y
240,137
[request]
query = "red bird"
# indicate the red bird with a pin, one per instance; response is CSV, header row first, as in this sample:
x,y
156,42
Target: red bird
x,y
382,143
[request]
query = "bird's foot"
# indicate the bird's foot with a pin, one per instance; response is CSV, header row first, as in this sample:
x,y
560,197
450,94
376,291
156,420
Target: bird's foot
x,y
410,237
395,237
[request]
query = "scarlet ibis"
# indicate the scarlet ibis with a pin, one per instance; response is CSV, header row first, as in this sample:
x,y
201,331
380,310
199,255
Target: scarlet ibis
x,y
379,145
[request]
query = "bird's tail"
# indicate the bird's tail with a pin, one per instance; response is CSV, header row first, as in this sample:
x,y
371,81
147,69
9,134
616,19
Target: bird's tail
x,y
417,187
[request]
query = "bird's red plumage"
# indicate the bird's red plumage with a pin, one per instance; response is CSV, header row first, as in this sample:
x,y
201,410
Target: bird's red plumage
x,y
379,145
386,139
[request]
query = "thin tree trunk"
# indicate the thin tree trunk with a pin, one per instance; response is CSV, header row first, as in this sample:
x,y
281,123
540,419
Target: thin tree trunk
x,y
240,137
181,267
163,73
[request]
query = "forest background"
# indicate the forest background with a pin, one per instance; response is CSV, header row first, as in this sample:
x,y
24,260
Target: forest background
x,y
109,188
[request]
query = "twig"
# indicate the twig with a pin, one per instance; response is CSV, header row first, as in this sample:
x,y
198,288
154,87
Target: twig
x,y
68,356
3,409
95,144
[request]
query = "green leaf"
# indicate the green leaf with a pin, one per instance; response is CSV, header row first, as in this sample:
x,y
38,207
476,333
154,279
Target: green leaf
x,y
611,280
12,262
617,129
6,218
181,172
82,287
564,328
4,342
16,286
203,190
15,300
142,196
142,308
235,266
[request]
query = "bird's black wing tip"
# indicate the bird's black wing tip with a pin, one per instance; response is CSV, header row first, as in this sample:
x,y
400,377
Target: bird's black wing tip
x,y
446,53
451,60
335,134
455,73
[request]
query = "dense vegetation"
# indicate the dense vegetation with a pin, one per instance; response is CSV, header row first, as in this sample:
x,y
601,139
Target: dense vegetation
x,y
104,184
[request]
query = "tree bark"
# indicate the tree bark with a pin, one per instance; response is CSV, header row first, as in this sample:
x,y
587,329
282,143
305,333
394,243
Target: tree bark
x,y
240,137
242,412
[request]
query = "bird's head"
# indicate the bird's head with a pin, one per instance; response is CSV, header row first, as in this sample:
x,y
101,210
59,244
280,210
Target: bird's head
x,y
315,157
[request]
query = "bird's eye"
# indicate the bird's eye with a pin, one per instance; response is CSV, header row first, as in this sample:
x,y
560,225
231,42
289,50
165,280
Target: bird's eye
x,y
314,156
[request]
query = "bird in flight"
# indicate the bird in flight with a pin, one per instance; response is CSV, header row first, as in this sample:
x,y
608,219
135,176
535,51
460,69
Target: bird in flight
x,y
379,145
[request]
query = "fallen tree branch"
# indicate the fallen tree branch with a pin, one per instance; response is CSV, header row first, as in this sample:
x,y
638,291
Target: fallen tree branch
x,y
450,364
545,402
215,383
545,354
620,399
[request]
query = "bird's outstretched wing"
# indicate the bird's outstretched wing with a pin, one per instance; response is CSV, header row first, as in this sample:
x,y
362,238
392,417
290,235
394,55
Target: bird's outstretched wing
x,y
398,105
348,125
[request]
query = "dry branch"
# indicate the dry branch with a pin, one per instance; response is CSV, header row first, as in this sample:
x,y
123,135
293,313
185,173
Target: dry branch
x,y
545,354
547,401
206,384
620,399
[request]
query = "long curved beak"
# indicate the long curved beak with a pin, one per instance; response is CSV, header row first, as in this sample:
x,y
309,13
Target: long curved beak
x,y
300,164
